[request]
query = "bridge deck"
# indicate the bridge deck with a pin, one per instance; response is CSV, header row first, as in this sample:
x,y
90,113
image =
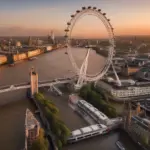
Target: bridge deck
x,y
26,85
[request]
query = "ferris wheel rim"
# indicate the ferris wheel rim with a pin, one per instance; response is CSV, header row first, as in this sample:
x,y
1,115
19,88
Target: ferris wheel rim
x,y
109,28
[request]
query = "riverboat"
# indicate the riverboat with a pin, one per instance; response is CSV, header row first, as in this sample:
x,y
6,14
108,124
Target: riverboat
x,y
87,132
93,112
12,65
33,58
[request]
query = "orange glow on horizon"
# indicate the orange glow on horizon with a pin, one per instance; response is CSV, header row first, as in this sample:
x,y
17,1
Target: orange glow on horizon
x,y
129,21
132,31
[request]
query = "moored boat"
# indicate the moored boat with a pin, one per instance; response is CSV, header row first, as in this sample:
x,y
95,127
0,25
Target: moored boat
x,y
87,132
32,58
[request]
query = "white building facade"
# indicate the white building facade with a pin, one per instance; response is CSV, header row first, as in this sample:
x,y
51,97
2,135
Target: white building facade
x,y
126,92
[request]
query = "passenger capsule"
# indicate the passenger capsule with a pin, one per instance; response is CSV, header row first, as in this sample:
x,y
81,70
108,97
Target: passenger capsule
x,y
72,16
104,14
83,8
94,7
68,23
78,11
66,30
89,7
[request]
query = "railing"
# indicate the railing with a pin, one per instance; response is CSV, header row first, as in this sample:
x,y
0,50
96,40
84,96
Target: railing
x,y
26,85
57,90
22,84
4,87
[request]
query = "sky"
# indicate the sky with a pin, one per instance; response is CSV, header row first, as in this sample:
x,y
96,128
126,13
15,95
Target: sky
x,y
38,17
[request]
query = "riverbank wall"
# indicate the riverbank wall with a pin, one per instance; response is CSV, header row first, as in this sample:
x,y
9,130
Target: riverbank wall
x,y
3,59
13,58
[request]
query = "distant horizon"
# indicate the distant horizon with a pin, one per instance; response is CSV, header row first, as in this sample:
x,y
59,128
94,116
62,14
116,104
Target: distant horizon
x,y
73,37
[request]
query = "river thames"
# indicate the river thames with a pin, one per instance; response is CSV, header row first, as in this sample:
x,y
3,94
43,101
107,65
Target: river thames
x,y
13,104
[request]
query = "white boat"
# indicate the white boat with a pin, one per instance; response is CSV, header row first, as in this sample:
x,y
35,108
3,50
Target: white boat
x,y
33,58
87,132
120,146
11,65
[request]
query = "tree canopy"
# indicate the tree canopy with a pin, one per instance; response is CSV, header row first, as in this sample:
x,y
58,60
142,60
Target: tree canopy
x,y
58,127
97,100
41,143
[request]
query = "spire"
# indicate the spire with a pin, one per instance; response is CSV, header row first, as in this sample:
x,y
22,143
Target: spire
x,y
37,42
52,37
48,37
30,41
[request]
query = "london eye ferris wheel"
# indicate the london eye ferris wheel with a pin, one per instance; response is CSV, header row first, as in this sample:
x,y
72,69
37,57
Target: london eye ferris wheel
x,y
82,71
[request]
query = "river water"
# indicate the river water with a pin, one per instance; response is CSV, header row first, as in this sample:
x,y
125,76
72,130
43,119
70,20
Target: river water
x,y
14,104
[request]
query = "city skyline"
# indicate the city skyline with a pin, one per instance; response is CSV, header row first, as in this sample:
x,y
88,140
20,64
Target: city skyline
x,y
38,18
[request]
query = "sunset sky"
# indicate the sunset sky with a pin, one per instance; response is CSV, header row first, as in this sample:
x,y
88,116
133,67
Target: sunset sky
x,y
38,17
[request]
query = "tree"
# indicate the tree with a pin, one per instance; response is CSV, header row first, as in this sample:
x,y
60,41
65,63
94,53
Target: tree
x,y
52,108
39,96
65,132
96,98
59,144
58,128
41,133
40,143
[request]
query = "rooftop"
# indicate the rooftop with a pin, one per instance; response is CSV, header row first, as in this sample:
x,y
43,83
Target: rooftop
x,y
137,62
2,55
30,121
76,132
126,84
143,122
118,58
94,110
87,129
